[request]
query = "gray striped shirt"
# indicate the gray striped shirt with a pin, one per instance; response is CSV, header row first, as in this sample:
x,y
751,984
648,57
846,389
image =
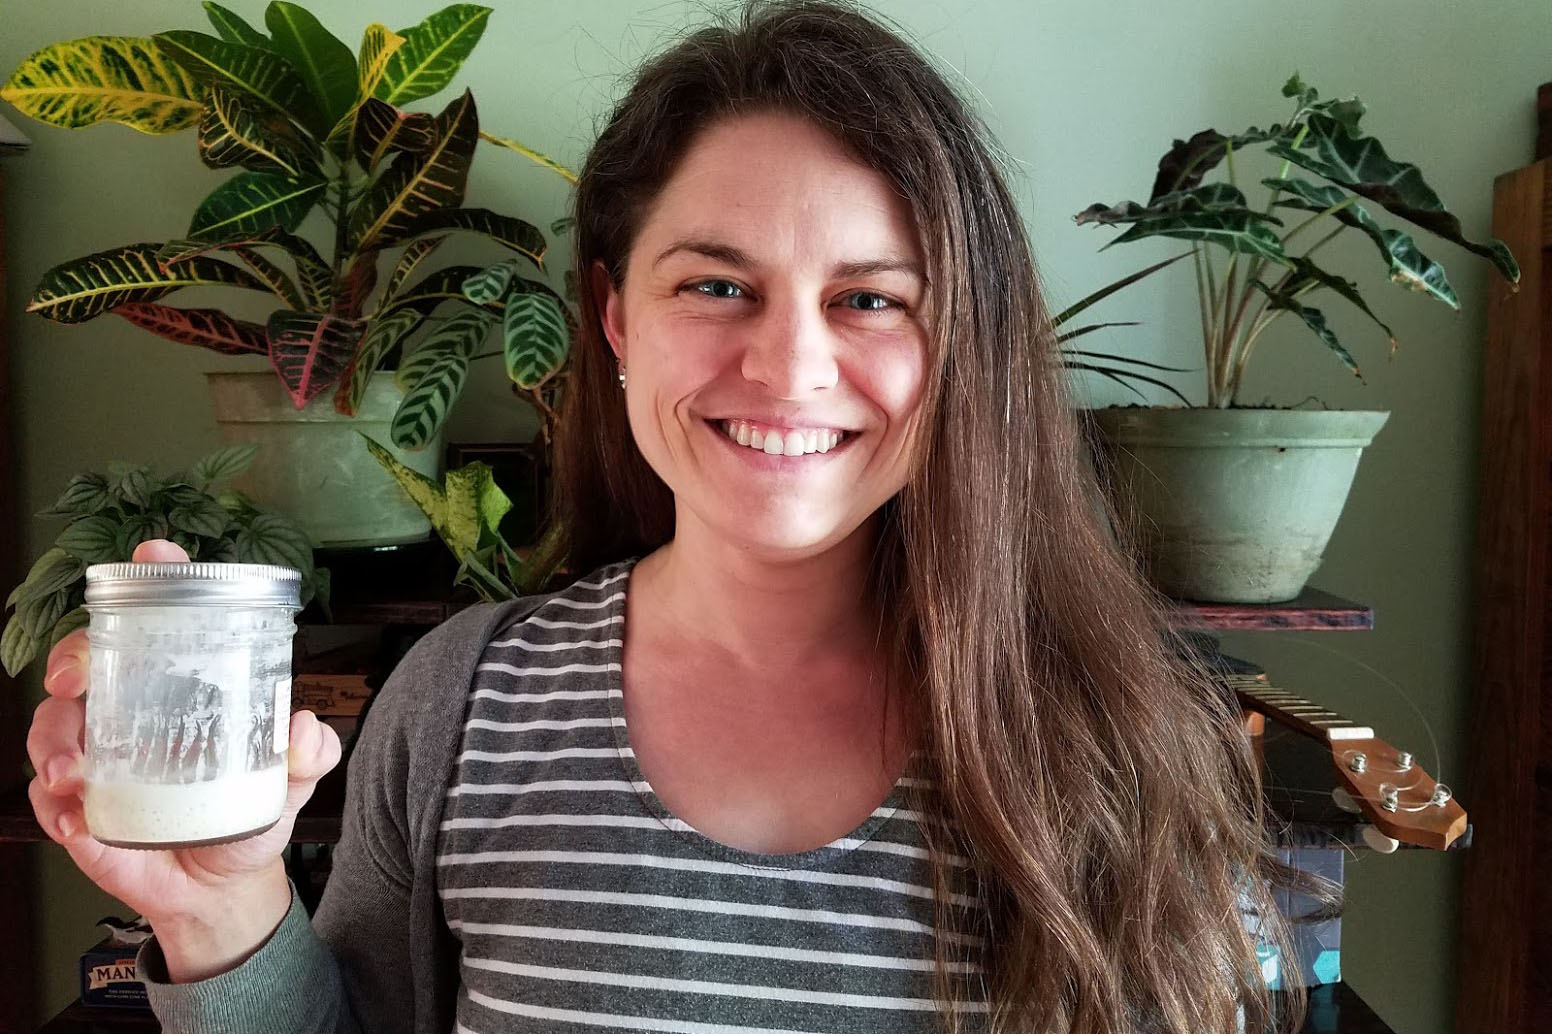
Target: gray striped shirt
x,y
581,903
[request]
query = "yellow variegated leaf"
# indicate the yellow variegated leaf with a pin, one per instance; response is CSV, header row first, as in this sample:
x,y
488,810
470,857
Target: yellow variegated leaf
x,y
125,79
378,44
532,155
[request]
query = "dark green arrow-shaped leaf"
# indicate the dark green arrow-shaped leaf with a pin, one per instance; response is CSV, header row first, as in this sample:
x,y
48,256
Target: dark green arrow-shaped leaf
x,y
1409,267
1306,275
1188,161
83,288
1216,213
1360,164
252,202
1314,319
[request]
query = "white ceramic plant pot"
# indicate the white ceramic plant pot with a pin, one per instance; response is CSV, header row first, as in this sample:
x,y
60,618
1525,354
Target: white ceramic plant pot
x,y
312,464
1233,505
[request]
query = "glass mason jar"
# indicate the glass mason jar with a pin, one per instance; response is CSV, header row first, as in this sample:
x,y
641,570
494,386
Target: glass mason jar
x,y
188,703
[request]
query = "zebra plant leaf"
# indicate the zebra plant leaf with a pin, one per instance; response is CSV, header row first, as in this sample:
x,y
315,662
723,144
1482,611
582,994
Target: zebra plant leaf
x,y
1314,319
231,27
84,288
432,53
381,130
380,339
1360,164
234,131
207,328
1409,267
441,365
535,339
310,351
252,202
378,44
325,64
124,79
490,283
521,237
256,71
415,185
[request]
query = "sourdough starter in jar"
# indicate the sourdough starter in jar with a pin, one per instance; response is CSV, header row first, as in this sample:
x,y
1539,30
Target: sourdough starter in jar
x,y
188,701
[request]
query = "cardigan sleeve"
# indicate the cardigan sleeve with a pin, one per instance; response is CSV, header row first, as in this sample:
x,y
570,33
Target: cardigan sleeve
x,y
351,969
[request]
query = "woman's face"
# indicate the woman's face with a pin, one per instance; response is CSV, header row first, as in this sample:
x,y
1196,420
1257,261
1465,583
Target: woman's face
x,y
770,328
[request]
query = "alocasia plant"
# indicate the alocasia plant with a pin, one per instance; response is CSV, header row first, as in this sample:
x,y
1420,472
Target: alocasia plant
x,y
311,126
1263,275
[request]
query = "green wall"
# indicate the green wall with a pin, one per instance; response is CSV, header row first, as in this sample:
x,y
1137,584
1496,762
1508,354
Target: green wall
x,y
1085,96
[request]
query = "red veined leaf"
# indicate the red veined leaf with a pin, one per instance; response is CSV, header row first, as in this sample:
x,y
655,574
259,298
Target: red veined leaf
x,y
208,328
310,350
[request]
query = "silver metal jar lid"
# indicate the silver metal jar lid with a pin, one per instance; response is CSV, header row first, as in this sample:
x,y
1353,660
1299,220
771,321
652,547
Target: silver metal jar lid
x,y
194,584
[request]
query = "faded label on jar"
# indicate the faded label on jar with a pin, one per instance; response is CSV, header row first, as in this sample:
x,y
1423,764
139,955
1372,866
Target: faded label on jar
x,y
283,715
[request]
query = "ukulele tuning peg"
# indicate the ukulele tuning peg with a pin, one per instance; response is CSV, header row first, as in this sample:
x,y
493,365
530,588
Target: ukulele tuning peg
x,y
1378,841
1344,800
1403,761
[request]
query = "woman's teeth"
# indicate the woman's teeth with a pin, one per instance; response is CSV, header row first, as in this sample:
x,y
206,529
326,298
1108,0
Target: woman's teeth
x,y
775,442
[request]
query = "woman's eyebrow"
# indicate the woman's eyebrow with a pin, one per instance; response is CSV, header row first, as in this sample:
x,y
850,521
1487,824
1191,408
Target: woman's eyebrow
x,y
740,259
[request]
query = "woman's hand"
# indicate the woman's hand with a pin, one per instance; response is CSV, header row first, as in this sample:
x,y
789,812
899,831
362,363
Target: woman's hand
x,y
211,907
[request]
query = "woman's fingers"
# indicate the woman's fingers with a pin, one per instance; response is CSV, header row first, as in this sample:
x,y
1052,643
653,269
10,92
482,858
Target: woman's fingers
x,y
54,743
65,673
153,551
60,816
315,749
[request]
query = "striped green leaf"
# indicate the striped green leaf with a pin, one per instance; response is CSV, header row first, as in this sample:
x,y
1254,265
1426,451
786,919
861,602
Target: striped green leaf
x,y
231,27
442,365
535,339
207,328
433,52
51,572
84,288
378,45
325,64
252,202
416,185
521,237
235,131
381,338
256,71
382,129
310,350
490,283
124,79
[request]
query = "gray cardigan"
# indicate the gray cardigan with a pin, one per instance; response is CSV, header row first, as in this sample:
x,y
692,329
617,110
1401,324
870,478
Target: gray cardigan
x,y
377,957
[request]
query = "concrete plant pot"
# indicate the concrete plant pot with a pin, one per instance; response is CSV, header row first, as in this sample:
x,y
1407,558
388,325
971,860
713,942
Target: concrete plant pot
x,y
1232,505
312,464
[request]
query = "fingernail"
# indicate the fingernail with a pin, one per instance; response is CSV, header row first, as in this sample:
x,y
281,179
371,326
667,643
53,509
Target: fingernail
x,y
72,663
59,770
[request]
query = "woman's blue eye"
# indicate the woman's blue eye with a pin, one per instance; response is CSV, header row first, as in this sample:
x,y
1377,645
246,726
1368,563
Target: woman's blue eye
x,y
869,302
719,288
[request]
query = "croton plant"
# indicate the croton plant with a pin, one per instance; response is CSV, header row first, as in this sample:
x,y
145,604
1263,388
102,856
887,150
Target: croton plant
x,y
311,126
1266,271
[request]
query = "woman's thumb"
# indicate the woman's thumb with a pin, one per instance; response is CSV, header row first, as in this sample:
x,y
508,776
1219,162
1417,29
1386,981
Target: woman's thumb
x,y
159,551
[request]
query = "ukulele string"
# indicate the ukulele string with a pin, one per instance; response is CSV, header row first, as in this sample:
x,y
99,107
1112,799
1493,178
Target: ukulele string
x,y
1385,680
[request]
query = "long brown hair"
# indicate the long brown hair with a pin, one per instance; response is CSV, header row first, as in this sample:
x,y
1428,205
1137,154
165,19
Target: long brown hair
x,y
1102,789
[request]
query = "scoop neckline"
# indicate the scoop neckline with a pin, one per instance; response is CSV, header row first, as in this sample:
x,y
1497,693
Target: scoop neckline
x,y
834,851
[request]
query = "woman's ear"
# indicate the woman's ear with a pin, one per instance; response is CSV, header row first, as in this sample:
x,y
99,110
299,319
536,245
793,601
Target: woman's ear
x,y
610,310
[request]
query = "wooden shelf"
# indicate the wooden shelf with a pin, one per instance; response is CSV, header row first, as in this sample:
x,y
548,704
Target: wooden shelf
x,y
1333,1009
1311,611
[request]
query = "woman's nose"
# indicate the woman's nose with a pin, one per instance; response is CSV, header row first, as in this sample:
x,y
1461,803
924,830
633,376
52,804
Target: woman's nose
x,y
791,352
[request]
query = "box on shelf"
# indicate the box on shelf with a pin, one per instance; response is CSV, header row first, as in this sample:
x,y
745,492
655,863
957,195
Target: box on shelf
x,y
108,967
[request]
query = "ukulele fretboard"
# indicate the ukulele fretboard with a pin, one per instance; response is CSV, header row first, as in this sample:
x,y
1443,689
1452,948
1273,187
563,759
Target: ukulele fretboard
x,y
1293,710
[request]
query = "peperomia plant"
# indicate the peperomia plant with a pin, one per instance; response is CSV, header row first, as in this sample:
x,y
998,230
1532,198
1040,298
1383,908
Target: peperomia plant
x,y
1264,275
312,127
110,514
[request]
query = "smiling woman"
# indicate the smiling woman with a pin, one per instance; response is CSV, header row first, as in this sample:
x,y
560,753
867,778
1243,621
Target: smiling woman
x,y
860,720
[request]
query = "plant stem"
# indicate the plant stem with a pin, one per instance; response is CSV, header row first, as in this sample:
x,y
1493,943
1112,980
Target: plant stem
x,y
1324,240
1224,334
1203,296
340,226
